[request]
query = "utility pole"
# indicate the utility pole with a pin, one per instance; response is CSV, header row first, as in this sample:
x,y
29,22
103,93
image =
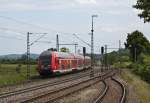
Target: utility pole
x,y
28,55
92,48
57,43
120,55
28,50
106,56
102,58
76,48
92,51
84,54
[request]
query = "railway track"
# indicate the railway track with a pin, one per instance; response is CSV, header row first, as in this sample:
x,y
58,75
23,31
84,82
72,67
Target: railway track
x,y
103,97
123,96
20,91
52,96
14,94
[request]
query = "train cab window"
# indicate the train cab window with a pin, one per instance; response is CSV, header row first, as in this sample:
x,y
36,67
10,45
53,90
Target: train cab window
x,y
45,59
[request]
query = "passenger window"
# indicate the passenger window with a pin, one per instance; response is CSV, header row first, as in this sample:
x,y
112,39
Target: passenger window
x,y
68,66
62,66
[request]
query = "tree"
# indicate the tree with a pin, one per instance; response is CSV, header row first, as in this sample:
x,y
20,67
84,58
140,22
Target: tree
x,y
144,6
112,57
22,59
137,43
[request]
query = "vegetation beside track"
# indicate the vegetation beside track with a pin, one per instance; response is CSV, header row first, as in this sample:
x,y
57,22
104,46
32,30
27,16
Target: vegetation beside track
x,y
141,88
135,56
14,73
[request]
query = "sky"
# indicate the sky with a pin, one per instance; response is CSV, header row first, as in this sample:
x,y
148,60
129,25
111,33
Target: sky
x,y
115,19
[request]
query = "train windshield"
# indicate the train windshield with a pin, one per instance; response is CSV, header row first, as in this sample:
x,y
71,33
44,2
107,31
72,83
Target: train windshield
x,y
45,59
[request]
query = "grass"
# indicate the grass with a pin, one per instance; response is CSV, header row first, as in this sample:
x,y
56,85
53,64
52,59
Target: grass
x,y
122,65
10,75
141,87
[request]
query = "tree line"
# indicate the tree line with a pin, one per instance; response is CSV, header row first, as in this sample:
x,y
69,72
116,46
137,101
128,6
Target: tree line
x,y
21,60
135,56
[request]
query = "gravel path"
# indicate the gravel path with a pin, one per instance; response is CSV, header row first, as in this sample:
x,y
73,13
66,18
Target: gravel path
x,y
87,95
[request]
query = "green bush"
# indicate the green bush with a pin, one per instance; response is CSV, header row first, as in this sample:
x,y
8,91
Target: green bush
x,y
122,65
142,70
146,74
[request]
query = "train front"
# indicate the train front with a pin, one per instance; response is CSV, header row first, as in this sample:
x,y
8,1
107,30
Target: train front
x,y
45,63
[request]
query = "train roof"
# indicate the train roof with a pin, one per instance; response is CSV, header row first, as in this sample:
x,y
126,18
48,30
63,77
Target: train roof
x,y
46,53
71,55
63,55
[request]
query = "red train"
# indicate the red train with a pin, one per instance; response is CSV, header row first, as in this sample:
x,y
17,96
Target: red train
x,y
51,62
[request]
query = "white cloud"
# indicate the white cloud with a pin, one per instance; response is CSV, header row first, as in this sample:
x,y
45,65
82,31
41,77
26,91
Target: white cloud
x,y
17,7
22,5
113,28
87,1
33,5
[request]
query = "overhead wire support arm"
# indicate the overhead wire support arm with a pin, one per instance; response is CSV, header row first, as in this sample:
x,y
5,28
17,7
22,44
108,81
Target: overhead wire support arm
x,y
38,39
47,42
69,44
28,50
82,40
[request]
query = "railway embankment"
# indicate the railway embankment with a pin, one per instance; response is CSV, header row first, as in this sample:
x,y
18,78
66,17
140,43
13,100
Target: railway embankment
x,y
138,90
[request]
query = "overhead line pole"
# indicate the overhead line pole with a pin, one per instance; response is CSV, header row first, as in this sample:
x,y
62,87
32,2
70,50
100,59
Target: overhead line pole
x,y
28,55
28,51
92,48
57,42
76,48
119,54
106,57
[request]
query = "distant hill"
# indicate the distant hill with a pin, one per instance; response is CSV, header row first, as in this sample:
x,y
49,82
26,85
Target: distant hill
x,y
17,56
35,56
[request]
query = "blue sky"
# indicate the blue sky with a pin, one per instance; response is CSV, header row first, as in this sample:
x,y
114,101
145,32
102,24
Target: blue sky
x,y
115,19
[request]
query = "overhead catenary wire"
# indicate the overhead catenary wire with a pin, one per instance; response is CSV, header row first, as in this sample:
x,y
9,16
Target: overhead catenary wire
x,y
11,30
47,42
20,33
10,37
82,40
38,39
35,25
45,28
20,22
